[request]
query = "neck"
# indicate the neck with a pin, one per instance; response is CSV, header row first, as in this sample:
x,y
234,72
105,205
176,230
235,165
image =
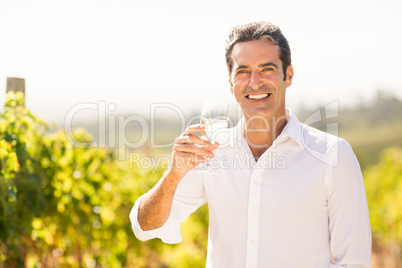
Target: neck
x,y
261,133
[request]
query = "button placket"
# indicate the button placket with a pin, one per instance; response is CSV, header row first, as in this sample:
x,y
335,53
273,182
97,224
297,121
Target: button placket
x,y
253,216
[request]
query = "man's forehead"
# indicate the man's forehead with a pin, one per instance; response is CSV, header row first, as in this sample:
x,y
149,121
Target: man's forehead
x,y
255,51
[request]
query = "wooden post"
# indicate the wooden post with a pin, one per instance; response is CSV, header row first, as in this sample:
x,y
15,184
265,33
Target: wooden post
x,y
15,84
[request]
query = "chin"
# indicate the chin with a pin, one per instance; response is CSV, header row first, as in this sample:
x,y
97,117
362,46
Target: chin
x,y
259,112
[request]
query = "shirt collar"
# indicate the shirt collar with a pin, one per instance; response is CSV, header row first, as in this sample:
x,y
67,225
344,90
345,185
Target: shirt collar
x,y
293,129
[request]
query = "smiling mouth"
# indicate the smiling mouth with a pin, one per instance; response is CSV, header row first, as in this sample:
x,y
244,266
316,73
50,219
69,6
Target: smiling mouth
x,y
258,96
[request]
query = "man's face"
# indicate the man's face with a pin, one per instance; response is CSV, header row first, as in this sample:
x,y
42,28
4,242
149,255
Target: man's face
x,y
257,79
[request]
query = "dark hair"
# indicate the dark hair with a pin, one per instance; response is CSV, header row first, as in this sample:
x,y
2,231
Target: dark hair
x,y
258,31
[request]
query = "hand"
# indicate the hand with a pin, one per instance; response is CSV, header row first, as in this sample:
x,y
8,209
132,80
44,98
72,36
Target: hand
x,y
189,150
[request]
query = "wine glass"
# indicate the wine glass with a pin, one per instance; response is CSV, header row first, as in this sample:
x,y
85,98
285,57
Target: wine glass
x,y
215,118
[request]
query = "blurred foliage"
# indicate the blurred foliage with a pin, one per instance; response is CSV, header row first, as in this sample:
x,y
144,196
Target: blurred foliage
x,y
384,187
64,206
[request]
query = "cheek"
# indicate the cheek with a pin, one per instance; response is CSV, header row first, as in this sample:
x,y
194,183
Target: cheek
x,y
235,91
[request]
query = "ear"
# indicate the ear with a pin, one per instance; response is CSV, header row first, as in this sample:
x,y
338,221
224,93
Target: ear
x,y
289,75
231,85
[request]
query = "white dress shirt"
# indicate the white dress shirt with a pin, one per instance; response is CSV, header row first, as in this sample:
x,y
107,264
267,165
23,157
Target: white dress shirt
x,y
300,205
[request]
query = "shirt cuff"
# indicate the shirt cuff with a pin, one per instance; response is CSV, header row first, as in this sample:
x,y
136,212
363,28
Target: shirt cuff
x,y
169,232
332,265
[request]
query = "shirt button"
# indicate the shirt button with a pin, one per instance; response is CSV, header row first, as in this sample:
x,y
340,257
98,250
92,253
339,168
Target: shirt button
x,y
252,242
255,182
253,211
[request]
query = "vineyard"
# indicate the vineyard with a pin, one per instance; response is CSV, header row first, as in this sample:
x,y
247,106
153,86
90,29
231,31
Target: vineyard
x,y
64,206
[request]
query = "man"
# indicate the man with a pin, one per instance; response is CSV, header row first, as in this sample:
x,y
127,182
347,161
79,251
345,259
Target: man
x,y
291,196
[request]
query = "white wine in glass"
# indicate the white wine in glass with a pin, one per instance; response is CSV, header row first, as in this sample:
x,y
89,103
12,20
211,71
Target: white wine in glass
x,y
214,116
213,127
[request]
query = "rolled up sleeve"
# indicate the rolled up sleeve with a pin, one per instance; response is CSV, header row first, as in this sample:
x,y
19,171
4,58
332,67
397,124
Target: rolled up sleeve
x,y
188,197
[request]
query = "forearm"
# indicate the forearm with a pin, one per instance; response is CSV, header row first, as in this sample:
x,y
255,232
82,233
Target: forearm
x,y
155,207
189,150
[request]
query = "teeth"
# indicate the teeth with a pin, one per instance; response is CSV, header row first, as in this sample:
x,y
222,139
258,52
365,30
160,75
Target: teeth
x,y
257,97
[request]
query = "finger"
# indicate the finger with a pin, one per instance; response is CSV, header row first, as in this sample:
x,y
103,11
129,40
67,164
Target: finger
x,y
186,161
190,148
193,139
190,158
194,129
199,159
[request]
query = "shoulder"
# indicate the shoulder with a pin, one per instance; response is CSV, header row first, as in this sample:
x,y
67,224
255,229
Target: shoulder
x,y
329,146
315,138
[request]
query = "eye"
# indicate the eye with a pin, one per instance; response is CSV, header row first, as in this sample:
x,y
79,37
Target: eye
x,y
242,72
267,69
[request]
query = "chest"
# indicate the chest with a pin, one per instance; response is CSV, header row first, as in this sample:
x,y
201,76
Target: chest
x,y
279,184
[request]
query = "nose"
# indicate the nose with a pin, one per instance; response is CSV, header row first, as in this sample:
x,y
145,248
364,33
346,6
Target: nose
x,y
255,80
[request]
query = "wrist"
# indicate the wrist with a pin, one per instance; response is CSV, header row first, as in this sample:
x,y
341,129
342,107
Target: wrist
x,y
175,174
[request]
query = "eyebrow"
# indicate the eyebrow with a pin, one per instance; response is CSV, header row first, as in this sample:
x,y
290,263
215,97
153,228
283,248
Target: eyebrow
x,y
260,66
268,64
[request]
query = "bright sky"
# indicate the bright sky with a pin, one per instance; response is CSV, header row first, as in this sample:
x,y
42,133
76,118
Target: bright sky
x,y
134,53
